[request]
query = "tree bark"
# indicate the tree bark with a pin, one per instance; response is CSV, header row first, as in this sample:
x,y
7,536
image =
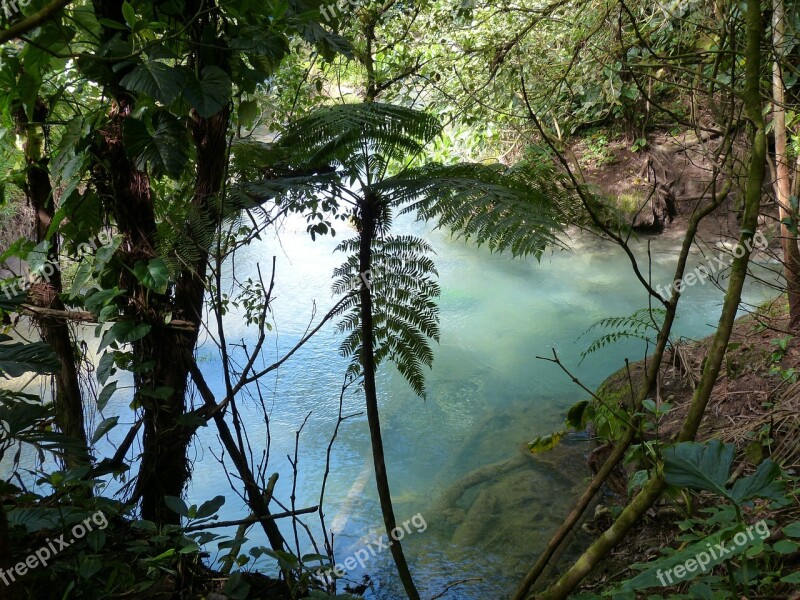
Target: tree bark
x,y
67,397
791,253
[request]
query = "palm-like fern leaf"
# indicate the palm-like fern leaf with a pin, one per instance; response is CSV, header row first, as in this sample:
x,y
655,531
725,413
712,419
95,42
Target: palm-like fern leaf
x,y
405,315
642,325
344,133
520,210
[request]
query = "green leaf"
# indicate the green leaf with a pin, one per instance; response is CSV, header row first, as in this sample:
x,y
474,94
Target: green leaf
x,y
177,505
307,558
210,507
128,14
162,146
638,479
96,539
153,275
248,113
210,94
157,80
793,578
124,332
654,575
82,277
792,529
89,566
763,483
104,427
546,442
105,367
699,466
105,395
162,392
785,546
16,359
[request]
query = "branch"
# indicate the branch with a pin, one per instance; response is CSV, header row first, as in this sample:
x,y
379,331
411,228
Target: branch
x,y
253,519
80,316
22,27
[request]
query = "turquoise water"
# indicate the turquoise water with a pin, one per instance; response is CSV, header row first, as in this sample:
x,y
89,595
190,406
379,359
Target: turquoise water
x,y
488,394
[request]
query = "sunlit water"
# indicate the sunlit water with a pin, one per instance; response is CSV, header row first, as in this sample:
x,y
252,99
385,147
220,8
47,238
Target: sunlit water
x,y
488,394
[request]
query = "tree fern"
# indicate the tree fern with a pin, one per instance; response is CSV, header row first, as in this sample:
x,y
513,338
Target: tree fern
x,y
519,209
360,155
640,325
405,315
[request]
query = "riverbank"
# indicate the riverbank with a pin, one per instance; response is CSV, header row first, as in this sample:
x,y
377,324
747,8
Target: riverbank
x,y
754,406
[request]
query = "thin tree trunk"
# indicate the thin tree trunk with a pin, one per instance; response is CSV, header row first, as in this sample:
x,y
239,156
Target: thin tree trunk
x,y
621,447
791,253
369,214
653,488
257,499
68,399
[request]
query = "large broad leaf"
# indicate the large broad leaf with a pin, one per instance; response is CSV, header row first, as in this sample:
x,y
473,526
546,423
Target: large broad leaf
x,y
707,466
161,145
16,359
177,505
152,275
210,94
105,395
104,427
763,483
210,507
38,518
699,466
157,80
124,332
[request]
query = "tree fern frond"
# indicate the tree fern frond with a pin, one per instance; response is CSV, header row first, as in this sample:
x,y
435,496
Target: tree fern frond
x,y
405,315
340,133
506,209
640,325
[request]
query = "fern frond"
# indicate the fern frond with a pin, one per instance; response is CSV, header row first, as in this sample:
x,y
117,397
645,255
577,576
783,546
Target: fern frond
x,y
338,134
640,325
405,315
518,210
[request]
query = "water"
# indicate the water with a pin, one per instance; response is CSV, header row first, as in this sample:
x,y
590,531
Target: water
x,y
488,394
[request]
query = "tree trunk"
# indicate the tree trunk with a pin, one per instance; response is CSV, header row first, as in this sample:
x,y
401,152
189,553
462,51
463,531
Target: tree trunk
x,y
653,488
67,397
791,253
369,215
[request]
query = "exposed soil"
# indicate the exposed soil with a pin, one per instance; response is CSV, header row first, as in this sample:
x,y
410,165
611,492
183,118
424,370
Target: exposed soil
x,y
750,404
656,188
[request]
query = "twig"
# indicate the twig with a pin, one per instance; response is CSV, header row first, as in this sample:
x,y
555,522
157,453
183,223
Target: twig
x,y
454,584
253,519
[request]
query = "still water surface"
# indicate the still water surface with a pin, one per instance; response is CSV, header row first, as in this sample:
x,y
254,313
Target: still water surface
x,y
488,394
